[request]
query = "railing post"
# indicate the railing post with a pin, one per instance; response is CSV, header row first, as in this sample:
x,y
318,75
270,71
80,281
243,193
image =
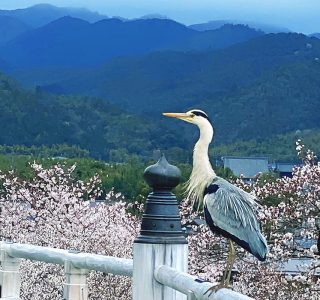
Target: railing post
x,y
161,240
75,287
9,275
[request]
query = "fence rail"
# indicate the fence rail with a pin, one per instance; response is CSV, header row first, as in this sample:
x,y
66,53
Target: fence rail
x,y
160,254
102,263
77,266
192,286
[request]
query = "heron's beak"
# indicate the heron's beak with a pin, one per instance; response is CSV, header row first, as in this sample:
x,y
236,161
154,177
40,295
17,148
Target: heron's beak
x,y
182,116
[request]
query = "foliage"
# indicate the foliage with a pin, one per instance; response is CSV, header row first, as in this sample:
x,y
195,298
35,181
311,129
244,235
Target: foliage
x,y
276,148
268,77
50,210
73,126
54,151
282,100
125,178
36,120
297,213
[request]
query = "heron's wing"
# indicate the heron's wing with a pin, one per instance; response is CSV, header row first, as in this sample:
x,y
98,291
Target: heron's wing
x,y
230,211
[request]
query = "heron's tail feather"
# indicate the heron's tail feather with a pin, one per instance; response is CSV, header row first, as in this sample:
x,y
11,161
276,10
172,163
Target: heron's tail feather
x,y
258,246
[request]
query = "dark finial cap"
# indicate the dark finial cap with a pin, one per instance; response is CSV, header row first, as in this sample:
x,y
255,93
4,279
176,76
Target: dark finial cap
x,y
162,175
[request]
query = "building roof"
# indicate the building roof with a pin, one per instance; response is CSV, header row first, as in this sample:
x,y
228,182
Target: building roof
x,y
298,265
249,167
304,243
285,167
292,266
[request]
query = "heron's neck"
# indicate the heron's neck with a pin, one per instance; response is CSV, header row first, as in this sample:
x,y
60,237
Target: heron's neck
x,y
202,172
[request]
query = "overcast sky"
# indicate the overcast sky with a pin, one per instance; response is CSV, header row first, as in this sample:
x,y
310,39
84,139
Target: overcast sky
x,y
297,15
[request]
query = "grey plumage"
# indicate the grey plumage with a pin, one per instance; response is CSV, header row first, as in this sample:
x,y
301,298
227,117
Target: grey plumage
x,y
232,213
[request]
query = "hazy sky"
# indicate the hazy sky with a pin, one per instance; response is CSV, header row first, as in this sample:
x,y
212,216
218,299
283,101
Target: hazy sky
x,y
297,15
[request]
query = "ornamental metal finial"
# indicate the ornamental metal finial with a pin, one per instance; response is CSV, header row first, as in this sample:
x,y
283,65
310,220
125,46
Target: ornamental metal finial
x,y
161,223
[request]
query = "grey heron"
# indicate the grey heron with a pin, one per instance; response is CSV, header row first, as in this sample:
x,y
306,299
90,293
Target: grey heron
x,y
229,211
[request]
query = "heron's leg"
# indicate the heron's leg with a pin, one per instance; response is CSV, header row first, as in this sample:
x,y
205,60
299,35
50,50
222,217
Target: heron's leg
x,y
232,257
226,273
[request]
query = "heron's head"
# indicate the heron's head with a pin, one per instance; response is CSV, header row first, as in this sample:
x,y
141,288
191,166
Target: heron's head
x,y
195,116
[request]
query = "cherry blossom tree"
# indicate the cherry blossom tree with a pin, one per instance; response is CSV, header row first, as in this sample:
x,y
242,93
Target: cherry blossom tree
x,y
296,210
55,210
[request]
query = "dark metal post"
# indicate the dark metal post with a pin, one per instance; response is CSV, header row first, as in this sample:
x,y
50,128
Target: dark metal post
x,y
161,240
161,223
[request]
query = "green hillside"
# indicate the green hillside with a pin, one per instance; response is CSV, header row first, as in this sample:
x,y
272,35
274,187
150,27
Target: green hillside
x,y
35,118
175,80
44,125
284,100
277,148
254,90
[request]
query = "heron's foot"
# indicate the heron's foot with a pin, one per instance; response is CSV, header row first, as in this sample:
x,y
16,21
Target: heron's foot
x,y
214,289
225,283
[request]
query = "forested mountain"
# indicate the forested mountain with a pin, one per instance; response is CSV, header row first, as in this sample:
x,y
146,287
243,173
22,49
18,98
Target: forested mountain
x,y
4,66
42,14
103,131
266,86
253,85
172,80
267,28
33,118
284,100
11,28
218,38
74,42
277,148
317,35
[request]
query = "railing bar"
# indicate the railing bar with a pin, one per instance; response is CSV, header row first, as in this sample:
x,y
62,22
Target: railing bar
x,y
191,296
186,283
102,263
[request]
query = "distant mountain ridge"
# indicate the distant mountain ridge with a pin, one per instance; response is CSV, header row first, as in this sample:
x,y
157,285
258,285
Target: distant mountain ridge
x,y
317,35
253,85
222,37
42,14
11,28
173,79
33,118
211,25
74,42
4,66
36,118
284,99
265,86
71,41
